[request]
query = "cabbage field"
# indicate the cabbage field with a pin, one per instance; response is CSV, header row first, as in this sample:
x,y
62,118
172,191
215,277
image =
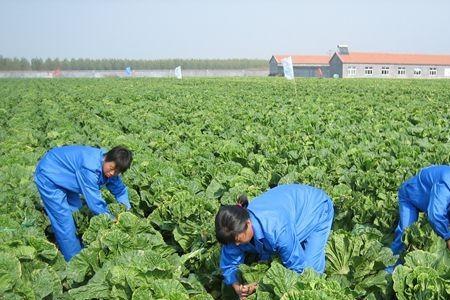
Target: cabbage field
x,y
199,143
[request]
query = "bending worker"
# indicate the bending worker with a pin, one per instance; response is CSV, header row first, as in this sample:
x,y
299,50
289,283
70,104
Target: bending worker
x,y
65,172
292,220
429,192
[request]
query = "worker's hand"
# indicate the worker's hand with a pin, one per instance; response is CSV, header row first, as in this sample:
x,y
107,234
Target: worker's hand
x,y
238,289
243,291
252,288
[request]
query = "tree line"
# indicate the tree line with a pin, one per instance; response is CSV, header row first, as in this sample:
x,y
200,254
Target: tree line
x,y
49,64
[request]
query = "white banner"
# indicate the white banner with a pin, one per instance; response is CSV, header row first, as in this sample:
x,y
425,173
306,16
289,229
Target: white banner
x,y
288,68
178,72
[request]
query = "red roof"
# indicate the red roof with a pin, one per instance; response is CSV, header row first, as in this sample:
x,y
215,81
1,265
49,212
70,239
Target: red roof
x,y
394,58
305,59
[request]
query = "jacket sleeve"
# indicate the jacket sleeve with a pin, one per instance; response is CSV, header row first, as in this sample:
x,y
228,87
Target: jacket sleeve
x,y
265,256
119,190
408,215
438,210
230,259
290,249
87,181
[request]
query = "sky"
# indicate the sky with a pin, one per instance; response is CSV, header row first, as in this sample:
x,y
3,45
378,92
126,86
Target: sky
x,y
160,29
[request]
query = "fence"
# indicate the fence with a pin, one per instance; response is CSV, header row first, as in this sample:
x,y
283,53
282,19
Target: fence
x,y
137,73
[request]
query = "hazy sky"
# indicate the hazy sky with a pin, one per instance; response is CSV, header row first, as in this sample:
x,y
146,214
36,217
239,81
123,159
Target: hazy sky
x,y
154,29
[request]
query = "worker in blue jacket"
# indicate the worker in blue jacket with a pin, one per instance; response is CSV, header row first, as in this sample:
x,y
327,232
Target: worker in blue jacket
x,y
291,220
65,172
428,192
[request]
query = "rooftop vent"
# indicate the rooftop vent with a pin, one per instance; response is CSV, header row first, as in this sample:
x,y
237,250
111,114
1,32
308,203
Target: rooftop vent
x,y
342,49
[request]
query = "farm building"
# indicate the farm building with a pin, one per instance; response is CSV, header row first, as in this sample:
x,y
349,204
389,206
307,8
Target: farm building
x,y
346,64
304,65
388,65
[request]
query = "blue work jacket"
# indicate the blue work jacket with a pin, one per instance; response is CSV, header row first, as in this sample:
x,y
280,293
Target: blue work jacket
x,y
282,219
429,192
78,169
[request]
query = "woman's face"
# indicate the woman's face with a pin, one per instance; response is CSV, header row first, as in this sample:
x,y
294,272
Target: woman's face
x,y
109,169
245,236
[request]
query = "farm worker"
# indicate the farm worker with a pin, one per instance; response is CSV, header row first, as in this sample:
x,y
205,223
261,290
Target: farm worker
x,y
429,192
292,220
65,172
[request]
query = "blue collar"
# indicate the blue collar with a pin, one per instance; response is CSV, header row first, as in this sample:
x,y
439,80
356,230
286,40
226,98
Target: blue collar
x,y
258,234
102,179
262,244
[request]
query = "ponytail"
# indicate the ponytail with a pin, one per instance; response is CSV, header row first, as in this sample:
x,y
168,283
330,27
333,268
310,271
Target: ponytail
x,y
242,201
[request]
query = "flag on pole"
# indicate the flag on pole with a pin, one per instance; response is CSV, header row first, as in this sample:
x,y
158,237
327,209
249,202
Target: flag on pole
x,y
178,72
288,68
128,72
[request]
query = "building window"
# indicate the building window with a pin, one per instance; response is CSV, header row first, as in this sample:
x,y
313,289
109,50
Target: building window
x,y
417,71
384,70
368,70
351,71
433,71
401,71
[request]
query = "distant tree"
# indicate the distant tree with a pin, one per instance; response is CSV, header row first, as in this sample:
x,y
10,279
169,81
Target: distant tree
x,y
65,64
37,64
47,64
25,64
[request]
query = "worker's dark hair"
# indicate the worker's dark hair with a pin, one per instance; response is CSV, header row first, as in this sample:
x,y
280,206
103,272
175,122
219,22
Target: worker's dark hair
x,y
121,156
231,220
